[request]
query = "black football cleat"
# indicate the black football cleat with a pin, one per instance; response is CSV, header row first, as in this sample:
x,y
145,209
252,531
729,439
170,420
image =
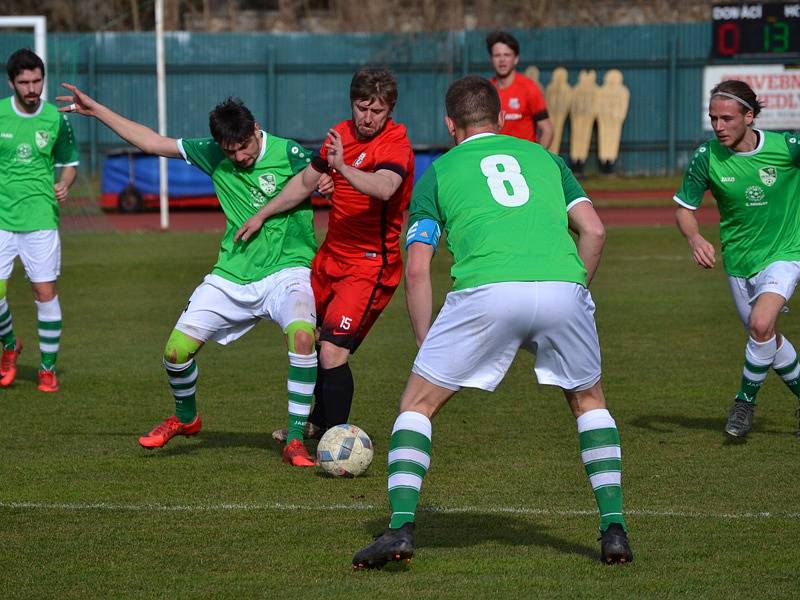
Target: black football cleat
x,y
392,545
614,547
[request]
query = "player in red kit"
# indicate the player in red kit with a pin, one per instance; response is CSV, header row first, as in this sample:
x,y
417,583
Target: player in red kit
x,y
359,265
521,99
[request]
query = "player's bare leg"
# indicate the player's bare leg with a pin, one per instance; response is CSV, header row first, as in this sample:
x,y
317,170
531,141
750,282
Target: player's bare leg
x,y
602,458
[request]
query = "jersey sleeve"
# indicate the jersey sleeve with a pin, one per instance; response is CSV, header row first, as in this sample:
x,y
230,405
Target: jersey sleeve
x,y
65,150
695,180
203,153
793,144
573,191
394,154
538,104
424,199
297,156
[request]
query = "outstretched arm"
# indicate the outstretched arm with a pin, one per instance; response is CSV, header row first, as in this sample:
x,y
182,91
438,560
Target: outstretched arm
x,y
297,189
703,251
584,221
134,133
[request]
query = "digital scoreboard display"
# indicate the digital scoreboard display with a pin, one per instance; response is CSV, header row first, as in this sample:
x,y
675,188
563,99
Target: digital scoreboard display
x,y
756,29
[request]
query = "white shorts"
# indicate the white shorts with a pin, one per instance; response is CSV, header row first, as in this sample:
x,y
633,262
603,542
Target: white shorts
x,y
478,331
39,251
224,311
779,278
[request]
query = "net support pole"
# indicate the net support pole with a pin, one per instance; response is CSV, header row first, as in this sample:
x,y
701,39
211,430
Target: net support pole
x,y
161,92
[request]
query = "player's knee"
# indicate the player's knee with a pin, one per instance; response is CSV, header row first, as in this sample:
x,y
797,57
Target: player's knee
x,y
332,356
300,337
762,328
180,347
3,288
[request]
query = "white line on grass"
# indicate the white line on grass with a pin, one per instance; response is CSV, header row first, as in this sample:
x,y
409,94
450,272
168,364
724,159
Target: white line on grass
x,y
280,506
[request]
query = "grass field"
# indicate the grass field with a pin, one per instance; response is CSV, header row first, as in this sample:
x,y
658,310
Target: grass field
x,y
507,511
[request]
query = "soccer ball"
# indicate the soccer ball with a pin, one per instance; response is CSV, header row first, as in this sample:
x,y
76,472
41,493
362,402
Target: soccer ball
x,y
344,451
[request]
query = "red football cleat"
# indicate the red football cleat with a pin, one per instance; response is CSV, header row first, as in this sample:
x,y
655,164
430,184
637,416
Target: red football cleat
x,y
48,382
295,454
8,364
168,429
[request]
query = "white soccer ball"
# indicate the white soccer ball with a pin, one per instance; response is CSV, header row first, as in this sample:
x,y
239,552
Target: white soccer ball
x,y
344,451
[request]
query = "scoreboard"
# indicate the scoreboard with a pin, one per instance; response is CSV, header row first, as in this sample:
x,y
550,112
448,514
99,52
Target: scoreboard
x,y
757,29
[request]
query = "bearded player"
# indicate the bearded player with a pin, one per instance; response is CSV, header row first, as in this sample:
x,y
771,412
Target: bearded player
x,y
359,265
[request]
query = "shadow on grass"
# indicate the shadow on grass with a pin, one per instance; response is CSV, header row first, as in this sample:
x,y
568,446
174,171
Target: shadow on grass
x,y
459,530
669,423
206,440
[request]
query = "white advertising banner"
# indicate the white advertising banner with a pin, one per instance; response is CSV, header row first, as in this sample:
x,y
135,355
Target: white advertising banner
x,y
777,87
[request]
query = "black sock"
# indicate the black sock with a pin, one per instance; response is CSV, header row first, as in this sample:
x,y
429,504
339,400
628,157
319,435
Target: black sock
x,y
317,416
337,394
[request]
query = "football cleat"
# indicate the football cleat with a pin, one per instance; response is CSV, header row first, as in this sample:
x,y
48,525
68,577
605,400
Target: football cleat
x,y
392,545
740,418
614,547
8,364
310,432
48,382
168,429
295,454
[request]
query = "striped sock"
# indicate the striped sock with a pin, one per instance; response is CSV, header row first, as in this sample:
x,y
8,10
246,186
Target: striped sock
x,y
602,458
183,381
301,380
49,317
7,337
409,460
787,366
758,357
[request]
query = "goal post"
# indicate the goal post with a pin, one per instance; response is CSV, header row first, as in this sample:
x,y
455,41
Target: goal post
x,y
38,24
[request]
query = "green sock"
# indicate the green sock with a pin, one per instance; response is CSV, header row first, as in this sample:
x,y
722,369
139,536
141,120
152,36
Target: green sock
x,y
183,382
7,337
300,382
49,321
787,366
409,460
602,457
758,358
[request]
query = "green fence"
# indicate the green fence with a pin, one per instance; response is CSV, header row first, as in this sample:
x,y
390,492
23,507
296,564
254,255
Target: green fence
x,y
297,83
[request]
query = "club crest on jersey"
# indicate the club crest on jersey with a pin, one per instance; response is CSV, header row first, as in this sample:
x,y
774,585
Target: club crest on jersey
x,y
24,152
769,175
357,162
267,183
42,137
514,103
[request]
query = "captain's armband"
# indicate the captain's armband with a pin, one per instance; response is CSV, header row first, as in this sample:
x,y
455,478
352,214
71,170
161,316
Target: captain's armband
x,y
426,231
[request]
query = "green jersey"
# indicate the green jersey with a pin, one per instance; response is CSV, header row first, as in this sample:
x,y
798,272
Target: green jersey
x,y
31,146
285,240
503,202
758,195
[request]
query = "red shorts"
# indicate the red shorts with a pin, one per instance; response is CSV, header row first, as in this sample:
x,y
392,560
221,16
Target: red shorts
x,y
350,297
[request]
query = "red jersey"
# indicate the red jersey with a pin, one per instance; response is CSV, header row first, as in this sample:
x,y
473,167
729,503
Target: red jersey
x,y
523,103
361,227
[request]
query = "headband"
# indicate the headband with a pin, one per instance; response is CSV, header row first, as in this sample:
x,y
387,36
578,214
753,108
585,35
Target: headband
x,y
734,97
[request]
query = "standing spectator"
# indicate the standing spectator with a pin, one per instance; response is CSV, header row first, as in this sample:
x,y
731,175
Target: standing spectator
x,y
521,99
